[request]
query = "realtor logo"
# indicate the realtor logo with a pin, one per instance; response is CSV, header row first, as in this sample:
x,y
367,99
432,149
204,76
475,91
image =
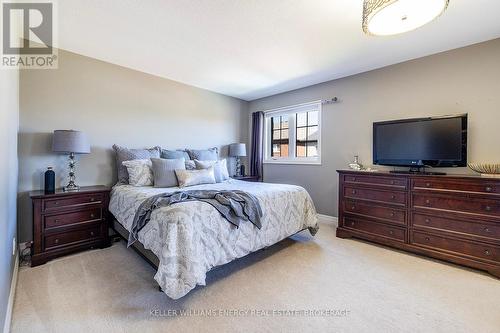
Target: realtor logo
x,y
28,35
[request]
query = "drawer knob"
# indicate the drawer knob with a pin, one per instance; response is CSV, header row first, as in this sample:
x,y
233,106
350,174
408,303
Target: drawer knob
x,y
427,239
486,229
393,197
353,179
91,233
92,199
488,208
488,189
92,216
353,208
352,223
56,203
427,202
354,192
56,241
391,232
393,182
392,214
428,184
56,221
427,220
487,252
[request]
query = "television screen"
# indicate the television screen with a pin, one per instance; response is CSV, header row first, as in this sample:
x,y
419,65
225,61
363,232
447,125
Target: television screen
x,y
436,142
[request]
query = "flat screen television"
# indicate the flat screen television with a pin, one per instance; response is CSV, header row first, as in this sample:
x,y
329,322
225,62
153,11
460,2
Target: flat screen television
x,y
422,142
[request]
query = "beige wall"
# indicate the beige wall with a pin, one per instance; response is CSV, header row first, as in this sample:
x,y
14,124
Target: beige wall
x,y
465,80
113,104
9,117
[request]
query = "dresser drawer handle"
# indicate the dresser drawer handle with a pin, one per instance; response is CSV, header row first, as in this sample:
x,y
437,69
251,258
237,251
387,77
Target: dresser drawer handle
x,y
487,252
428,202
393,197
427,239
354,192
353,208
486,229
488,189
427,220
91,233
56,203
427,184
352,223
393,182
56,221
92,199
488,208
392,214
391,232
56,241
92,215
353,179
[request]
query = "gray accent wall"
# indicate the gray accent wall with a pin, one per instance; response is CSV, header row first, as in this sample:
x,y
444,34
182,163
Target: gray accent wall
x,y
9,118
466,80
113,104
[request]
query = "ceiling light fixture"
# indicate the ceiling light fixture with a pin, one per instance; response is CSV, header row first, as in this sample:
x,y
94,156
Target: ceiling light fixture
x,y
391,17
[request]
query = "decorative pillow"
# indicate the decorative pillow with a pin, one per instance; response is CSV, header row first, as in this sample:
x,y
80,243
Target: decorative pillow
x,y
164,171
220,168
125,154
211,154
139,172
195,177
174,154
190,165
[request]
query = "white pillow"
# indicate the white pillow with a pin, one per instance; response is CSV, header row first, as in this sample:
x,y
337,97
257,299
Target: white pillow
x,y
195,177
220,168
140,172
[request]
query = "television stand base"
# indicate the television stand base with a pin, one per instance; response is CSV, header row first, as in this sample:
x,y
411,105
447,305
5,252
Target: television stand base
x,y
418,171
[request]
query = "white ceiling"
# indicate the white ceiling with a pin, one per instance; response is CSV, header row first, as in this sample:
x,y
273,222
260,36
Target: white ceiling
x,y
255,48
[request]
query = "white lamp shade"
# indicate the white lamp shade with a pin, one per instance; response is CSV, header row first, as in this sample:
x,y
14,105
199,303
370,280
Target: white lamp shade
x,y
391,17
237,149
69,141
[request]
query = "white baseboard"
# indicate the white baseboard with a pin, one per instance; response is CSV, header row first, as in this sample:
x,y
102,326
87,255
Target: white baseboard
x,y
329,219
10,304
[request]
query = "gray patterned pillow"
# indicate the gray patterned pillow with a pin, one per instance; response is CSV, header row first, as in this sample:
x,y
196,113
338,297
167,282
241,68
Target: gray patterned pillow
x,y
125,154
174,154
190,165
220,168
195,177
211,154
139,172
164,171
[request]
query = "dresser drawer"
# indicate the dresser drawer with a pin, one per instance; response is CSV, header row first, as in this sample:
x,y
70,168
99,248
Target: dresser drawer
x,y
455,186
76,236
370,210
458,204
456,246
376,180
375,228
470,227
74,201
80,217
391,197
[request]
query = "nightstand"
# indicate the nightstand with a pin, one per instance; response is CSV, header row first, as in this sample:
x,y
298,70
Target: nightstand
x,y
247,178
66,222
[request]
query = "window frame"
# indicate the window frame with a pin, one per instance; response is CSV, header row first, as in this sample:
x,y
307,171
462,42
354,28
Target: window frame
x,y
291,112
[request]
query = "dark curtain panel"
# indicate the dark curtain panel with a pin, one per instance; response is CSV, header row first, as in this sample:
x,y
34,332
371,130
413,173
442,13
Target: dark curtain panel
x,y
257,155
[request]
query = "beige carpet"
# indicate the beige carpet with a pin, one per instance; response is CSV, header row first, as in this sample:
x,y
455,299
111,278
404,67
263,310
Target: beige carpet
x,y
113,290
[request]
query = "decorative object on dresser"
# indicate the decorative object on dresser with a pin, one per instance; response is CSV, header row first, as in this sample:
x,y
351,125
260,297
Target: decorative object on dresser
x,y
247,178
70,142
66,222
238,150
49,181
453,218
486,170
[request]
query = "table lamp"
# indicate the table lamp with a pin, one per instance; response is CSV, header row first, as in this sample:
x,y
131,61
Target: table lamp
x,y
238,150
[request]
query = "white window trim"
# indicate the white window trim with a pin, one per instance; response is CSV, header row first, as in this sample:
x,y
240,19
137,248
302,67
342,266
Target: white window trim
x,y
293,109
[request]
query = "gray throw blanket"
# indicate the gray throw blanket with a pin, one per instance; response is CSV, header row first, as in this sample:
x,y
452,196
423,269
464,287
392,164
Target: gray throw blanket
x,y
235,206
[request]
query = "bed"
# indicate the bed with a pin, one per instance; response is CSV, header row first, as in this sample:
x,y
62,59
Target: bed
x,y
188,239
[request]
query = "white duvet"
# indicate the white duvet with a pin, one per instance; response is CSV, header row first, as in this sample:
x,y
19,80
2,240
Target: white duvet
x,y
190,238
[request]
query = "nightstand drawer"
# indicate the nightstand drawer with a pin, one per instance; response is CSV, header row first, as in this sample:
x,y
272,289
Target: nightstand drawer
x,y
74,201
56,240
80,217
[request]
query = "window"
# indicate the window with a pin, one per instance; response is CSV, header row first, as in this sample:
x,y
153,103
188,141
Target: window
x,y
293,134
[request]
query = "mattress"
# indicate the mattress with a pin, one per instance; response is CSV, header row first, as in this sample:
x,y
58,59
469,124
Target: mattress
x,y
191,238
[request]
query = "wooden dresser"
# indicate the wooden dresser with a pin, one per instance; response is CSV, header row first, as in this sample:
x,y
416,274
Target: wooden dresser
x,y
453,218
66,222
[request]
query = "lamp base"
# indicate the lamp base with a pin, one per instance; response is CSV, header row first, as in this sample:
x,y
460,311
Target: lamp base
x,y
71,188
